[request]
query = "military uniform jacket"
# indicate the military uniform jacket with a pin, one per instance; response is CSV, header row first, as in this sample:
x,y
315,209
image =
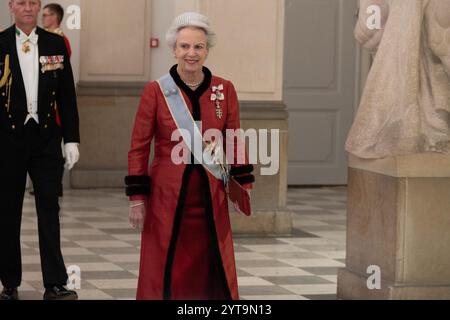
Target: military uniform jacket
x,y
56,91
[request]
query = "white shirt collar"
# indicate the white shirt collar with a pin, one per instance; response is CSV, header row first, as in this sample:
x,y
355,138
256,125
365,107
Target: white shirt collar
x,y
33,37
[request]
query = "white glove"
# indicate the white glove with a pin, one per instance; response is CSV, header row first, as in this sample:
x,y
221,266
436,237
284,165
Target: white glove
x,y
72,155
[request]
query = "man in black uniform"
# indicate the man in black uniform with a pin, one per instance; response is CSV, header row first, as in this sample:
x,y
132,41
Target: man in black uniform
x,y
35,80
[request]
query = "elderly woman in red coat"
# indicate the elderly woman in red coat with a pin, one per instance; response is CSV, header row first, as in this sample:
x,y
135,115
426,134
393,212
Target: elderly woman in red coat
x,y
187,246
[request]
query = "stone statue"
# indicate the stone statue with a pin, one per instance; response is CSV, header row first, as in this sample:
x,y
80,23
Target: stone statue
x,y
405,107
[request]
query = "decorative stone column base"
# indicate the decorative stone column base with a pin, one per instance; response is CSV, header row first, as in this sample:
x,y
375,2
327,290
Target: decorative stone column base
x,y
263,223
352,286
398,220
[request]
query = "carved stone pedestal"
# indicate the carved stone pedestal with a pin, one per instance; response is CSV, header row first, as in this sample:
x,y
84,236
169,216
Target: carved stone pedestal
x,y
398,220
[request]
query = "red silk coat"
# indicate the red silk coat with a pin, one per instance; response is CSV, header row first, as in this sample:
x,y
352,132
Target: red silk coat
x,y
153,120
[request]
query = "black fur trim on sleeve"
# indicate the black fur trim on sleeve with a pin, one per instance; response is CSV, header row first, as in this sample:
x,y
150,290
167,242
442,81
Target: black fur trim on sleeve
x,y
245,179
137,180
137,191
246,169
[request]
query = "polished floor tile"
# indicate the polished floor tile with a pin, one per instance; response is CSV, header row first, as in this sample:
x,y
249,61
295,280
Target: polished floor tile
x,y
97,239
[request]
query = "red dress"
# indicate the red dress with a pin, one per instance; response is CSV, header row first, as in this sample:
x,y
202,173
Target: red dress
x,y
187,246
197,275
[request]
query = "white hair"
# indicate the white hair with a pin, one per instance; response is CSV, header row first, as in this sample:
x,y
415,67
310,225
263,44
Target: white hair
x,y
193,20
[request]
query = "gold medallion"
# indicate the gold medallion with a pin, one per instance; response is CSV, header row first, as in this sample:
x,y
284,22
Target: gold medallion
x,y
26,47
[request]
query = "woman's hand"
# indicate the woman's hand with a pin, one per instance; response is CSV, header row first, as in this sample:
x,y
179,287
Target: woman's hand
x,y
137,214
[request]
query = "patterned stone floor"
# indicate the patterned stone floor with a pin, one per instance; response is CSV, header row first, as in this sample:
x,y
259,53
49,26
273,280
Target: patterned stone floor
x,y
96,237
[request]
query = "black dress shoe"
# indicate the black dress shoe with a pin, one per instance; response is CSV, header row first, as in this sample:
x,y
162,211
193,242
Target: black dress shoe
x,y
59,293
9,294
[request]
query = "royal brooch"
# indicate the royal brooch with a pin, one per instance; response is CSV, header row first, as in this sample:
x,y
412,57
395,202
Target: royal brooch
x,y
218,96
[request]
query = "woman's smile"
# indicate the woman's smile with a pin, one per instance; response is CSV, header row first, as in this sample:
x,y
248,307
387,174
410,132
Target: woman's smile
x,y
191,61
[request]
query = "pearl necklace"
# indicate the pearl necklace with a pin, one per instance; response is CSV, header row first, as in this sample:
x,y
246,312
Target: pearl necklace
x,y
195,84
